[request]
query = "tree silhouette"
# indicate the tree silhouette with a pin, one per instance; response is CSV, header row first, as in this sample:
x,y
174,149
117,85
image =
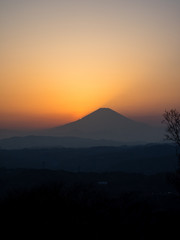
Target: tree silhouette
x,y
172,121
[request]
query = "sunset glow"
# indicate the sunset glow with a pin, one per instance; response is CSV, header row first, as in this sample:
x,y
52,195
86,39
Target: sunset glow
x,y
60,60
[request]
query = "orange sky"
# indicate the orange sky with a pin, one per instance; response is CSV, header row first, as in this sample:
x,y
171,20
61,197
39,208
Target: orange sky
x,y
63,59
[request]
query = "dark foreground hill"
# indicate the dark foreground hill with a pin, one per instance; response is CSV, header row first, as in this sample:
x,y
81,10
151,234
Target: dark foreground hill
x,y
79,206
113,183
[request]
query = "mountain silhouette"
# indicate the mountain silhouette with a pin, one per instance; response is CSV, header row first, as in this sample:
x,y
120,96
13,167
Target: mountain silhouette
x,y
106,123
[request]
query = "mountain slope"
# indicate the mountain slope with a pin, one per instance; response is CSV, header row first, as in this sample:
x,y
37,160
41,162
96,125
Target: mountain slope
x,y
105,123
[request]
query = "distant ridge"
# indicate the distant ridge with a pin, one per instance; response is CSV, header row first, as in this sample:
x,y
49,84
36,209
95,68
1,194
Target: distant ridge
x,y
52,142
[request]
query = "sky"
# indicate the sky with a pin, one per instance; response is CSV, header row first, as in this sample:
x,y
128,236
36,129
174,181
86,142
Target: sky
x,y
62,59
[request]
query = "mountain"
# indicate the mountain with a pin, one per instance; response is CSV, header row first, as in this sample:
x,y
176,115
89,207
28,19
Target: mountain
x,y
103,127
105,123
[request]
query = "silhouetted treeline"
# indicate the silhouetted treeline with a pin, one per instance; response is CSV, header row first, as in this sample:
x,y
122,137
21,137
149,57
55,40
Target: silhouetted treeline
x,y
146,159
113,183
83,212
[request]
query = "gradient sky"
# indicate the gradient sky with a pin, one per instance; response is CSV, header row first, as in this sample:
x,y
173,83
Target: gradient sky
x,y
61,59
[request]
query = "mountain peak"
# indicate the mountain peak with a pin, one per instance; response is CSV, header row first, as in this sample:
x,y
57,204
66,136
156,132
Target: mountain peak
x,y
105,109
104,112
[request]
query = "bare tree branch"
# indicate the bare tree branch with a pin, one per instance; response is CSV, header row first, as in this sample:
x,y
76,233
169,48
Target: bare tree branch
x,y
172,121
